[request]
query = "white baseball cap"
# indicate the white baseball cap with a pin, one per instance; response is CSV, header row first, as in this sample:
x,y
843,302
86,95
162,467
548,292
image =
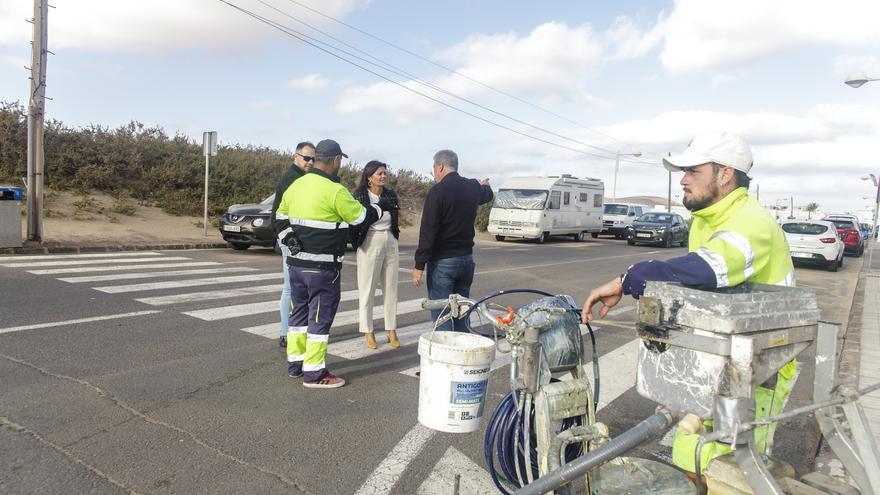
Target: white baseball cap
x,y
722,148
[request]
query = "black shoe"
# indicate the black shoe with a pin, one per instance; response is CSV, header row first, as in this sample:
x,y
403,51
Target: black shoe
x,y
297,374
282,342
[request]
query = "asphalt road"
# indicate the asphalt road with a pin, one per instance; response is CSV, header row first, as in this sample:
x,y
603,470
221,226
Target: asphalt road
x,y
121,376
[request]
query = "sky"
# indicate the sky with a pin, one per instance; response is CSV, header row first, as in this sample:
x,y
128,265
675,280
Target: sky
x,y
515,87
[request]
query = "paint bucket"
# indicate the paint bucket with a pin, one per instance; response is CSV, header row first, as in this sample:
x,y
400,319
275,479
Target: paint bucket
x,y
453,380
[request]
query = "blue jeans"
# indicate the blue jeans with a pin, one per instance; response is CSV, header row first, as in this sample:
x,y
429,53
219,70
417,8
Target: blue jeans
x,y
450,276
284,303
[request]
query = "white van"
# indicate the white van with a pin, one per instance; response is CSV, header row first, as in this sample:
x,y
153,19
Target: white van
x,y
538,207
618,217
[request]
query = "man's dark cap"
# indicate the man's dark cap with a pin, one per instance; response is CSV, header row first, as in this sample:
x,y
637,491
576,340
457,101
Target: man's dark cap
x,y
328,148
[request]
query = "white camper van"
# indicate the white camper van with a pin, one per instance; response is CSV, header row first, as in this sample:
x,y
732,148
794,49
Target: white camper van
x,y
538,207
618,217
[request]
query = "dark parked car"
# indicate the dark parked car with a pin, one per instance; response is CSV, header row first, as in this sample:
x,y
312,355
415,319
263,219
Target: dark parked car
x,y
665,229
243,226
848,230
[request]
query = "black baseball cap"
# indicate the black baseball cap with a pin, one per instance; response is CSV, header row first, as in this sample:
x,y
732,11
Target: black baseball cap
x,y
328,148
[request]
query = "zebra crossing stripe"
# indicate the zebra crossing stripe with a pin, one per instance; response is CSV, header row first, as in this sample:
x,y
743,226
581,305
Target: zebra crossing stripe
x,y
116,289
388,472
72,256
77,321
114,268
88,262
222,313
355,348
209,295
175,273
622,363
270,330
473,479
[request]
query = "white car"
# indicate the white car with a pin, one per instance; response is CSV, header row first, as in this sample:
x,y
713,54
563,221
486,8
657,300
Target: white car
x,y
814,241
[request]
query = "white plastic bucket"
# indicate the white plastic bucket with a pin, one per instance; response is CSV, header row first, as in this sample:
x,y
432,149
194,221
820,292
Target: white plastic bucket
x,y
453,380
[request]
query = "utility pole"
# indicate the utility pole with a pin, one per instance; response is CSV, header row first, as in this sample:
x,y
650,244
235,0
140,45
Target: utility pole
x,y
36,112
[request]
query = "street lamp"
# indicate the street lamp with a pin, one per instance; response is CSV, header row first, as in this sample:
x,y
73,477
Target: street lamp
x,y
857,79
876,182
617,165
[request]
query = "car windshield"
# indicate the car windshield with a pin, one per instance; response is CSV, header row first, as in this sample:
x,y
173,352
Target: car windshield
x,y
520,199
656,218
804,228
615,209
268,201
843,224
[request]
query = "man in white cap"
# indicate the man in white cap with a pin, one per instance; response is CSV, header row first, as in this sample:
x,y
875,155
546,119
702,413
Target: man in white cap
x,y
733,239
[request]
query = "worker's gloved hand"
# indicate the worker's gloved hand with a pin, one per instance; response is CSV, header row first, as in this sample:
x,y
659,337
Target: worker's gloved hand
x,y
293,243
385,204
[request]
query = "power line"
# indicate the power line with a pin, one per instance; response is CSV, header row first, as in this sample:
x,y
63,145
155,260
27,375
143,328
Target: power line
x,y
293,33
403,73
462,75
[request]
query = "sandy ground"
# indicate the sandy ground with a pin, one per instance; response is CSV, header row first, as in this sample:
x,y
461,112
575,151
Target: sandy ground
x,y
103,220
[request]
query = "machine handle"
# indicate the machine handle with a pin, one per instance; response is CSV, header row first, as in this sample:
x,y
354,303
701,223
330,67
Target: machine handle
x,y
434,303
508,318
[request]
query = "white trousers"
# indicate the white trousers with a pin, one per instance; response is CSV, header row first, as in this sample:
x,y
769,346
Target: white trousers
x,y
377,266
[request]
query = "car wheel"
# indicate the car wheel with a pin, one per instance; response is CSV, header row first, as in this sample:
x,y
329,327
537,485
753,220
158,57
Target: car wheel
x,y
595,235
499,238
631,242
840,261
580,237
543,238
276,248
667,241
861,250
239,246
832,267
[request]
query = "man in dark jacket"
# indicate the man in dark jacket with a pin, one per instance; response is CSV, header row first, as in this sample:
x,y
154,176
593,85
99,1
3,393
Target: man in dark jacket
x,y
303,159
446,235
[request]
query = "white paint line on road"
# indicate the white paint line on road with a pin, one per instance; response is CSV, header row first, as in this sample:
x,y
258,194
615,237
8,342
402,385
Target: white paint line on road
x,y
399,268
386,475
270,330
77,321
89,262
174,273
580,260
72,256
617,311
618,368
473,479
224,312
113,268
115,289
489,248
519,250
210,295
355,348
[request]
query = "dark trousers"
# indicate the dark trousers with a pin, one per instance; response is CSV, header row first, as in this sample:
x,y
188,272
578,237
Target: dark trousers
x,y
314,294
450,276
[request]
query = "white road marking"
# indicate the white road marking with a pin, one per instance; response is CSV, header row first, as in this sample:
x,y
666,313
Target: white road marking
x,y
175,273
386,475
620,364
89,262
580,260
238,310
210,295
115,289
355,348
113,268
344,318
474,480
77,321
71,256
399,268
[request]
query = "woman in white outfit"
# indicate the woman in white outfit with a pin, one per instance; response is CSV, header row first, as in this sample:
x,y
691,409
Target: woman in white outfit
x,y
377,254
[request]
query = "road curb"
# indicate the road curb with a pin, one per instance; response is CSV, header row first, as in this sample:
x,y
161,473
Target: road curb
x,y
61,248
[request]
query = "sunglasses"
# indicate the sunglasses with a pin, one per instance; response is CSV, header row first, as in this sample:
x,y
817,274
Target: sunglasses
x,y
306,158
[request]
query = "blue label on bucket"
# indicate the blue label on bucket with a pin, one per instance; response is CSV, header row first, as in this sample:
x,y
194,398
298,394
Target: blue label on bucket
x,y
468,392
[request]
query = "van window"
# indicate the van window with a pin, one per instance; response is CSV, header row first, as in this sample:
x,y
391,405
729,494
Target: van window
x,y
566,198
584,197
554,200
612,209
520,199
637,210
597,200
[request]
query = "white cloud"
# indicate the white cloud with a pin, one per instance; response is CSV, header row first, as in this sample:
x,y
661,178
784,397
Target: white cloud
x,y
847,64
153,26
551,61
311,82
260,104
701,34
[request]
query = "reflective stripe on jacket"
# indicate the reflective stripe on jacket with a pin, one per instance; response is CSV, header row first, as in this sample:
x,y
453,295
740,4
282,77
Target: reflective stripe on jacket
x,y
319,217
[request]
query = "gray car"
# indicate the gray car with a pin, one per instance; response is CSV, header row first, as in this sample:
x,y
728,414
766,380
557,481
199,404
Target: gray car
x,y
246,225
